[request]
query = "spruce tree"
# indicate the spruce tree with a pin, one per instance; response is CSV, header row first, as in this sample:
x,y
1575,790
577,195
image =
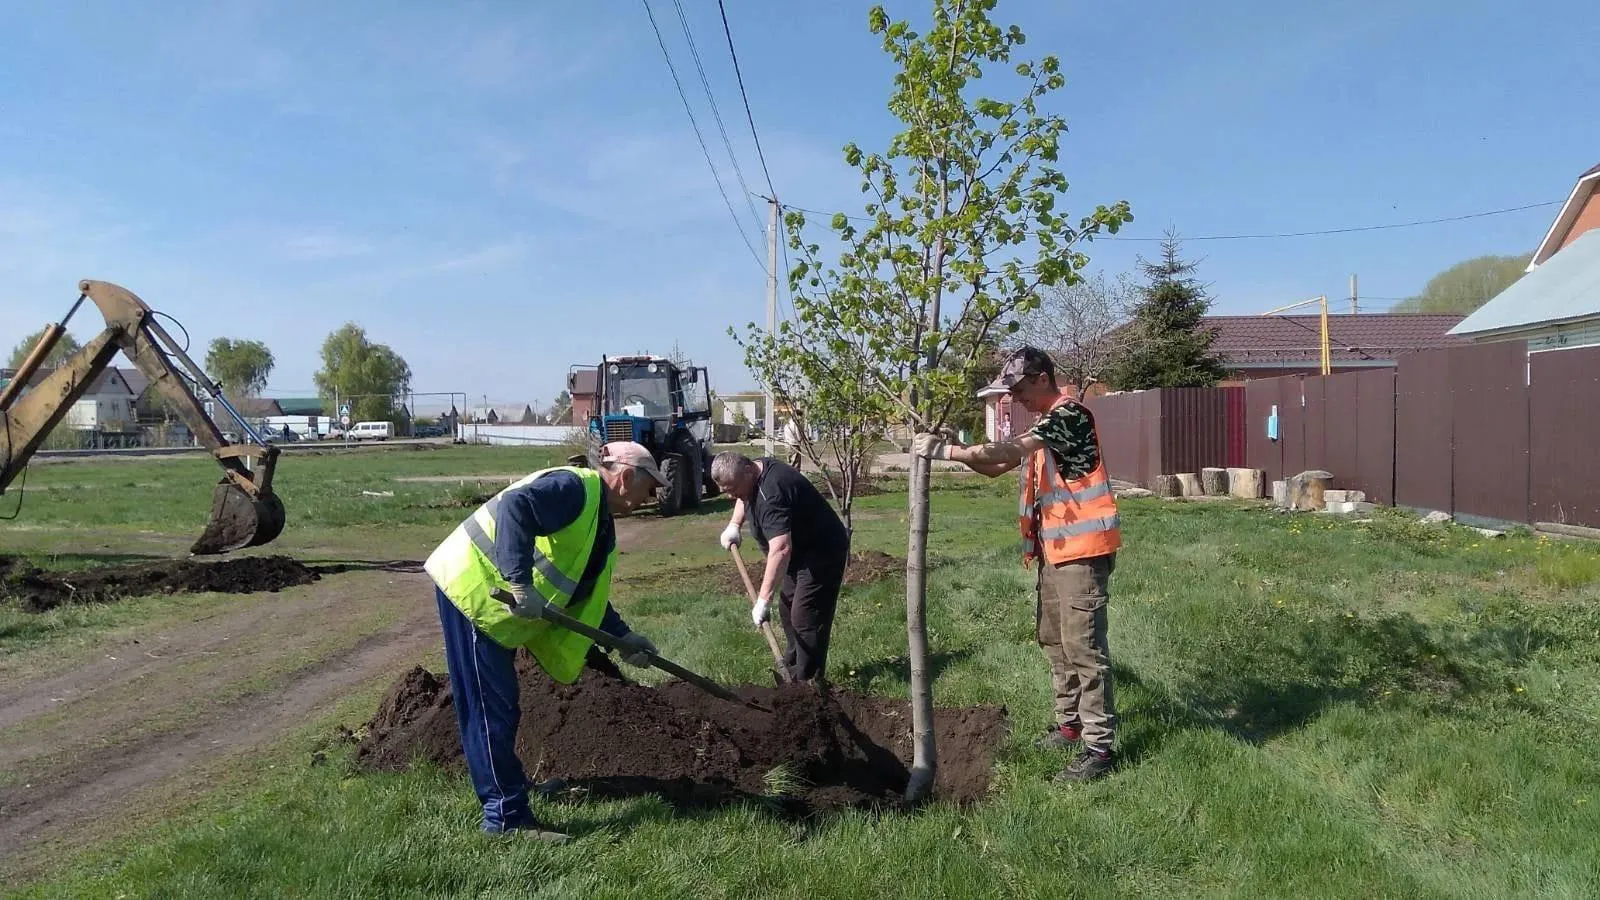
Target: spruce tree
x,y
1171,346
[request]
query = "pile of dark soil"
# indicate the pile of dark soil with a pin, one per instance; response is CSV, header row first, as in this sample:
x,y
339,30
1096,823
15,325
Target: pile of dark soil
x,y
38,590
609,737
865,567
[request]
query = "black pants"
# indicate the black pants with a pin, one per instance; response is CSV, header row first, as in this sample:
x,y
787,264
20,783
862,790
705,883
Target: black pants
x,y
806,605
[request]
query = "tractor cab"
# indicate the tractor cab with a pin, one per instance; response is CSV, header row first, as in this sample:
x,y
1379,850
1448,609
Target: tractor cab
x,y
652,401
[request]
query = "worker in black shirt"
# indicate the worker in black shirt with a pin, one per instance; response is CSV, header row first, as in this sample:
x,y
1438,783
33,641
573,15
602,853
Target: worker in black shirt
x,y
806,546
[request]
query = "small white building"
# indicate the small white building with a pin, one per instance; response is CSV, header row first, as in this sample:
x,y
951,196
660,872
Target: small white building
x,y
106,405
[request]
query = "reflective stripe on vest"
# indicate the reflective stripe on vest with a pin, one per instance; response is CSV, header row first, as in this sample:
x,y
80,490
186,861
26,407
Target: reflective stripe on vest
x,y
1083,526
485,545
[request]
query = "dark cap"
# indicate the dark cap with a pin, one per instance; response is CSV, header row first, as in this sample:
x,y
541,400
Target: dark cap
x,y
1025,363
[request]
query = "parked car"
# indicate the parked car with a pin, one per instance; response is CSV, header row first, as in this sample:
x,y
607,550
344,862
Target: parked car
x,y
372,431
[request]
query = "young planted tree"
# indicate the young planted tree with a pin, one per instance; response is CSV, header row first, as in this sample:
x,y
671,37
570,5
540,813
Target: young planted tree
x,y
935,270
824,375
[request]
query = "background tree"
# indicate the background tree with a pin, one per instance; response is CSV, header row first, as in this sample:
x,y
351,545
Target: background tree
x,y
933,272
1169,346
241,366
561,409
65,346
1083,328
355,367
1466,285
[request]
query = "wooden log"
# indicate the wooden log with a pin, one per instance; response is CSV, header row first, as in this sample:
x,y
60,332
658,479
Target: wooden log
x,y
1189,485
1280,493
1167,486
1245,484
1214,482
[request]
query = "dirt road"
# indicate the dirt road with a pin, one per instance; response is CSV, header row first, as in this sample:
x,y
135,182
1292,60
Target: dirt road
x,y
87,727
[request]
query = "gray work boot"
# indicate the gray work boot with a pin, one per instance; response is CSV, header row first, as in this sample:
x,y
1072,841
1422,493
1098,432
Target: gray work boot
x,y
1090,765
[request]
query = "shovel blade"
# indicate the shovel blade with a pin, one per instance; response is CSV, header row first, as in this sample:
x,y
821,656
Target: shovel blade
x,y
239,520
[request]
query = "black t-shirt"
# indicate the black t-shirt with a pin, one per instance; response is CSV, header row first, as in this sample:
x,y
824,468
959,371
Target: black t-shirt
x,y
786,502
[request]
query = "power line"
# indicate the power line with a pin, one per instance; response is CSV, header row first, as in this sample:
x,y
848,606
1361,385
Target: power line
x,y
1348,230
700,137
1285,234
716,113
746,97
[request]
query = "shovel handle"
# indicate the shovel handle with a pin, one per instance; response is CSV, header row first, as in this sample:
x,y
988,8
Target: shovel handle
x,y
557,617
766,627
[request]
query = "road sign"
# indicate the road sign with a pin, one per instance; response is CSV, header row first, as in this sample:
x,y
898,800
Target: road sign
x,y
344,414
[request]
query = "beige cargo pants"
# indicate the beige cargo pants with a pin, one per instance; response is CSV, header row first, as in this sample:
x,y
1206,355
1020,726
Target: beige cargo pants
x,y
1071,618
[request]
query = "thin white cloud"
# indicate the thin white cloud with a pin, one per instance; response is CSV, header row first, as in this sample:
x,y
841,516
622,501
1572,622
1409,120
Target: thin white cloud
x,y
318,246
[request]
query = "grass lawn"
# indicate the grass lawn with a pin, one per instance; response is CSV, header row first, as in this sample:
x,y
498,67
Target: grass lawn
x,y
1310,707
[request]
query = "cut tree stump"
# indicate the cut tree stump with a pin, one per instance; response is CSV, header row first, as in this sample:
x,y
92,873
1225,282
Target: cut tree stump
x,y
1188,484
1167,486
1214,482
1306,490
1245,484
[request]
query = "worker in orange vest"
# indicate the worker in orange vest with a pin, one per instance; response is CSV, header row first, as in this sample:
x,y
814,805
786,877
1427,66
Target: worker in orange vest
x,y
1068,517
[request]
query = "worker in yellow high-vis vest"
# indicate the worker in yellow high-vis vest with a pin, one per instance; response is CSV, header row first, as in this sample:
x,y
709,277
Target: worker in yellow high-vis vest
x,y
549,542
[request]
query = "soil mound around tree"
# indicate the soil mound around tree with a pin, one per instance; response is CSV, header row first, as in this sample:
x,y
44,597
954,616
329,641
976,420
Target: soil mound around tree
x,y
38,590
608,737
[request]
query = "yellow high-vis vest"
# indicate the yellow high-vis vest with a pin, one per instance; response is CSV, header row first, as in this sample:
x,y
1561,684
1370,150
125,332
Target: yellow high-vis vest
x,y
463,568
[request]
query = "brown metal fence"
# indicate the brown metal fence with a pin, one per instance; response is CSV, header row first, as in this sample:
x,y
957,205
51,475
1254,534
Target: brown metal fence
x,y
1485,432
1563,395
1169,430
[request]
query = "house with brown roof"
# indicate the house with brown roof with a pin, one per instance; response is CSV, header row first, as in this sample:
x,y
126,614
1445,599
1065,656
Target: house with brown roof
x,y
1268,346
1556,306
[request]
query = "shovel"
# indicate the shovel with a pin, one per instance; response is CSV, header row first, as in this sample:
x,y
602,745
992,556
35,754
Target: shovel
x,y
557,617
766,627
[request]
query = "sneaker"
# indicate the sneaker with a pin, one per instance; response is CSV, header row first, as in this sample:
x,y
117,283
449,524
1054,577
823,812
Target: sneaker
x,y
1089,765
1059,738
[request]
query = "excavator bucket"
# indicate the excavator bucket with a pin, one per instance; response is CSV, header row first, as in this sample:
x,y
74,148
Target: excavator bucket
x,y
239,520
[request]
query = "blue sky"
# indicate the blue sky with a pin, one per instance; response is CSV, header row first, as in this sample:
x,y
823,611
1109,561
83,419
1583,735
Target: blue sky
x,y
499,190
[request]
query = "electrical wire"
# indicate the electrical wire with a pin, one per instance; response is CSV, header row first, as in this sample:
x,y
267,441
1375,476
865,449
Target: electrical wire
x,y
1283,234
772,191
699,136
716,112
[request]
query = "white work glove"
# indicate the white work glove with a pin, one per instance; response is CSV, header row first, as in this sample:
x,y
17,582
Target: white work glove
x,y
931,446
529,604
730,537
759,612
636,649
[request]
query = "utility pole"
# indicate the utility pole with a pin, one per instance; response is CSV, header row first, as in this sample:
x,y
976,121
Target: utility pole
x,y
772,303
1355,305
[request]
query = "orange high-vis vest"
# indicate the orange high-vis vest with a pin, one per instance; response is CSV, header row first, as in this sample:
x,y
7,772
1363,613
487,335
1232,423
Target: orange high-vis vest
x,y
1064,520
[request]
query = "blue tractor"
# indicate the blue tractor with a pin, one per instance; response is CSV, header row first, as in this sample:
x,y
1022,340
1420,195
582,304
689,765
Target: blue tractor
x,y
654,402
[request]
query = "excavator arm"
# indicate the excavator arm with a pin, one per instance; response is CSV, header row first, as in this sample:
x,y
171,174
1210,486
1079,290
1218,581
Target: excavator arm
x,y
244,510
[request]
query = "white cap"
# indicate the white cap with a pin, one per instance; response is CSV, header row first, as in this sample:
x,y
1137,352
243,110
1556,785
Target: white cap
x,y
628,453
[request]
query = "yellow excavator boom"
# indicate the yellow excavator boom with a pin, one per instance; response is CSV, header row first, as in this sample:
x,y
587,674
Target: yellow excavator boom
x,y
244,510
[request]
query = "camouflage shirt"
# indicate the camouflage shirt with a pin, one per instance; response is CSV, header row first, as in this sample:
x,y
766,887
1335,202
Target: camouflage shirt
x,y
1068,432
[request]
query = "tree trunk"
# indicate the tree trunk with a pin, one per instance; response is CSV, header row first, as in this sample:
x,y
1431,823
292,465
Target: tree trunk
x,y
924,754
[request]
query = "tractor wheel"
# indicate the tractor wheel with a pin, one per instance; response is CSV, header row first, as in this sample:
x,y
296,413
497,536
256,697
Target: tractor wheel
x,y
672,496
693,484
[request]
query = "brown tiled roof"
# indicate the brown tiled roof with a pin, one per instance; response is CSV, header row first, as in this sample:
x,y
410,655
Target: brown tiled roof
x,y
1291,339
585,381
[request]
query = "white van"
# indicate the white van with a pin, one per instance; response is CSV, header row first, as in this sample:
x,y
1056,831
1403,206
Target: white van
x,y
371,431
